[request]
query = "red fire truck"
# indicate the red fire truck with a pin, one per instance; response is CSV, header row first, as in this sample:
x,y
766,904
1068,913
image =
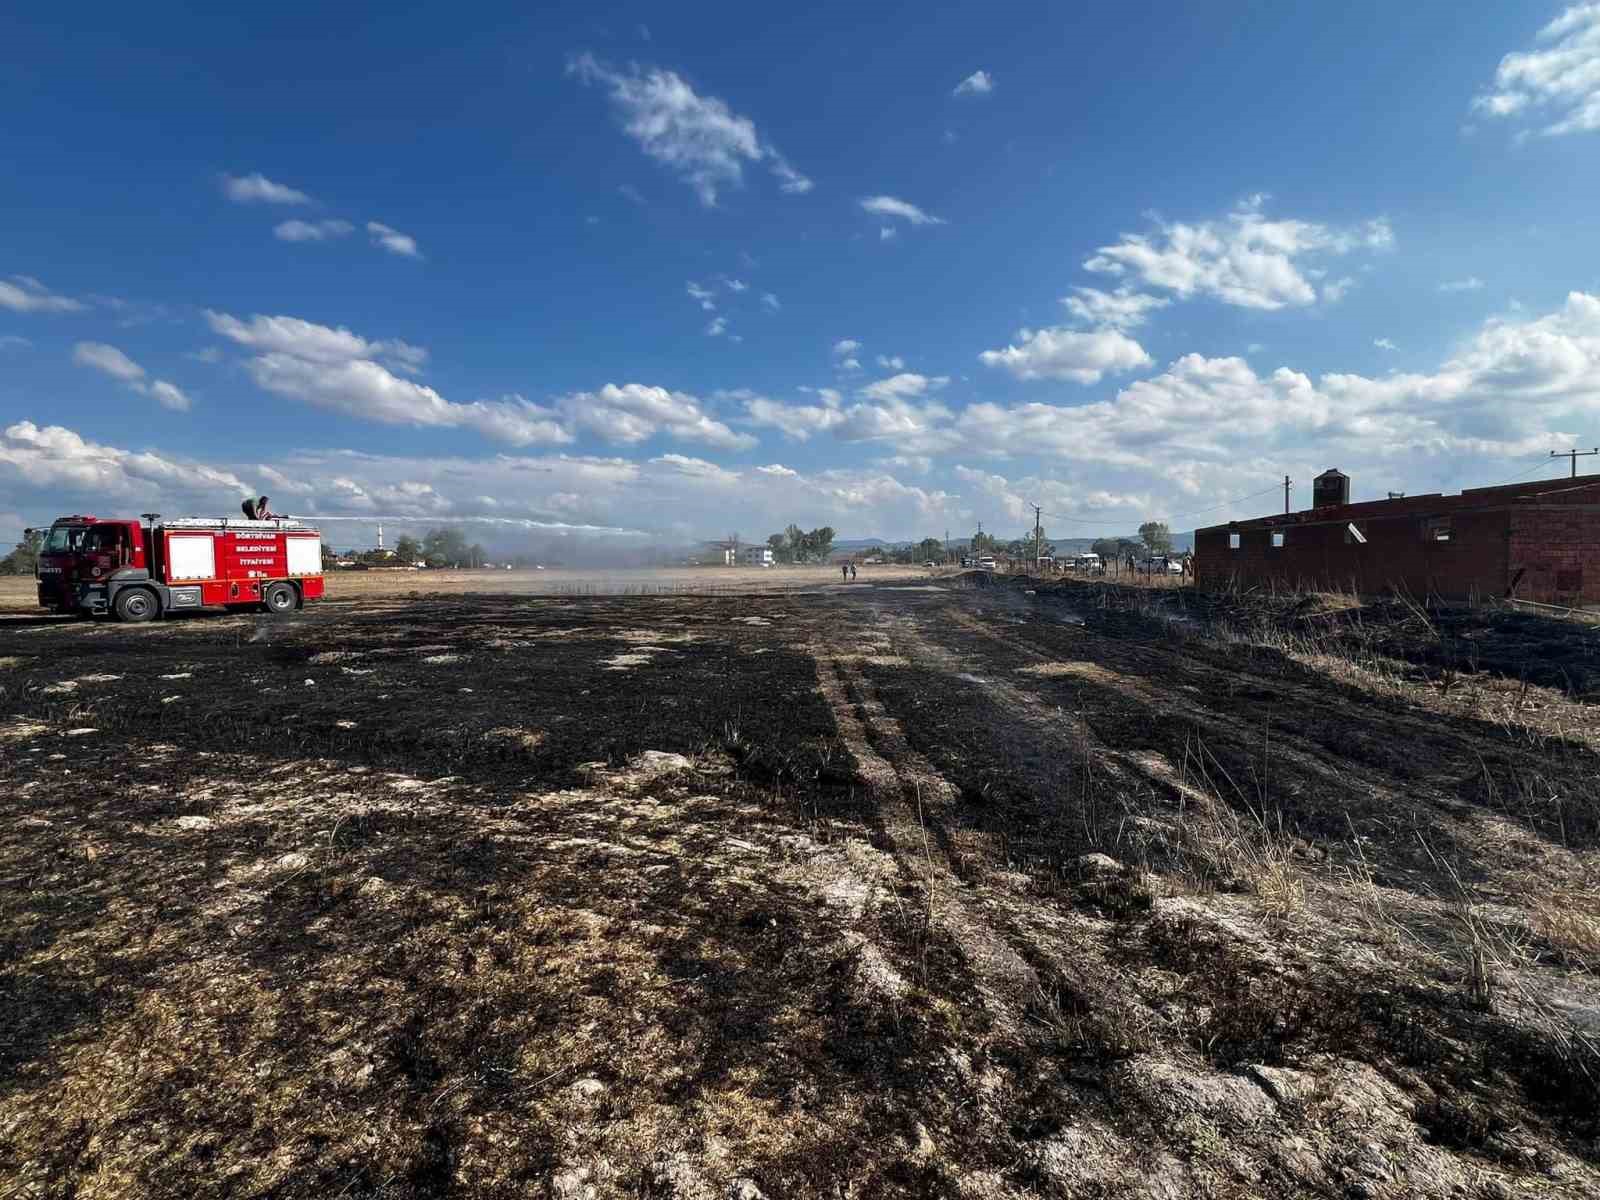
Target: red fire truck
x,y
138,570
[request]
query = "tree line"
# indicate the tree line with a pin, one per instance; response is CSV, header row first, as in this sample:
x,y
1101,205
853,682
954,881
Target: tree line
x,y
796,545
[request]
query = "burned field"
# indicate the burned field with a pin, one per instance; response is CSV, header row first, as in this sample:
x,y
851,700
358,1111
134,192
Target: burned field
x,y
878,890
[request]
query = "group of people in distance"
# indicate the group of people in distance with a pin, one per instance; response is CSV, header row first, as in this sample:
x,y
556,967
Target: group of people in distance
x,y
847,571
258,510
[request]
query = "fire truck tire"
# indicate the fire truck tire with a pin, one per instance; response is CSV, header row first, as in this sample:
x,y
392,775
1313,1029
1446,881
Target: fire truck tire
x,y
279,598
137,604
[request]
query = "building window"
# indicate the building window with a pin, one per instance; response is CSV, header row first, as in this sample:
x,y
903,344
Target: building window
x,y
1354,534
1438,529
1277,539
1233,541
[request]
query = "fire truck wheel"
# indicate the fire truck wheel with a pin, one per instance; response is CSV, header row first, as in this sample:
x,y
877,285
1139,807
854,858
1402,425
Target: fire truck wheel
x,y
279,598
136,604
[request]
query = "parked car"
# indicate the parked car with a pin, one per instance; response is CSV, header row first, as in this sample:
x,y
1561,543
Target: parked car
x,y
986,563
1161,564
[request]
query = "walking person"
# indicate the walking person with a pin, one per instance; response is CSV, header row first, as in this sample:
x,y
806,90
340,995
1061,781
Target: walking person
x,y
844,572
852,572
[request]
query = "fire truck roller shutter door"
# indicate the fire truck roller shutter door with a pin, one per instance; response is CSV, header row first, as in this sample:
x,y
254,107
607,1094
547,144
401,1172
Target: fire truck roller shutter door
x,y
304,555
191,556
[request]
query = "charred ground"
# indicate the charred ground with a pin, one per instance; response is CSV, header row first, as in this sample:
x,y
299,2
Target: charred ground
x,y
856,891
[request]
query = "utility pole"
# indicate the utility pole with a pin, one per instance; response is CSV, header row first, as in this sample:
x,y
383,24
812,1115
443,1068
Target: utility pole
x,y
947,546
1038,539
1574,455
1286,482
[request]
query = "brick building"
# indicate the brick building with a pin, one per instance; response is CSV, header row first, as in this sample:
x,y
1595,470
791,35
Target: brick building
x,y
1535,541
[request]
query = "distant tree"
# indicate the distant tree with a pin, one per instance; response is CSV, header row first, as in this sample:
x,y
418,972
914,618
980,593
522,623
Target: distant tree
x,y
1156,537
329,555
796,538
25,557
820,542
475,555
1106,548
778,543
984,543
446,547
930,549
407,550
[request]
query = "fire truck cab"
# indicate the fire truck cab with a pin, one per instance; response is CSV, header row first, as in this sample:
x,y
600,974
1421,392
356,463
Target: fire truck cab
x,y
139,570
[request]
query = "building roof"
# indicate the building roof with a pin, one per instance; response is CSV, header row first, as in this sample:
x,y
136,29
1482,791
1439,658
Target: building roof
x,y
1539,491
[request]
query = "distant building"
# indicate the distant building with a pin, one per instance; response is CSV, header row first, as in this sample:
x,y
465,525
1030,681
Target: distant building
x,y
1535,541
758,556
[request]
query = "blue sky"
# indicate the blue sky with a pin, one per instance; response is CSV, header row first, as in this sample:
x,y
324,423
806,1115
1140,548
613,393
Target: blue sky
x,y
894,270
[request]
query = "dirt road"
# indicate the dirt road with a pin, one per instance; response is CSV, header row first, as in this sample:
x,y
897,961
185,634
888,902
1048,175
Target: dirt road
x,y
883,889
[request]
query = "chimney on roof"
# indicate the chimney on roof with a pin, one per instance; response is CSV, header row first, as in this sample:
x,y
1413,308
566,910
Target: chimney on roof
x,y
1332,487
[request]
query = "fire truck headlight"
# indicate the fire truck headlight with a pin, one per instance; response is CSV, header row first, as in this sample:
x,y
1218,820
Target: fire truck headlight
x,y
95,571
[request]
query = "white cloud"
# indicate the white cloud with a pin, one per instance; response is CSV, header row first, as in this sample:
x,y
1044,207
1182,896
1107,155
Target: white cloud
x,y
631,192
336,369
369,391
697,137
55,458
979,83
1336,290
887,233
717,327
891,362
393,240
695,468
1081,357
634,413
12,341
170,396
1243,259
704,295
735,285
1384,343
770,302
1513,388
845,347
890,206
308,340
798,422
256,188
576,508
850,364
1470,284
904,386
311,231
1559,81
107,360
24,293
1122,309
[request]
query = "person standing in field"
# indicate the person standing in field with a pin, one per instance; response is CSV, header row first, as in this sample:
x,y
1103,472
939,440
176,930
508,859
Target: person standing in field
x,y
852,572
844,572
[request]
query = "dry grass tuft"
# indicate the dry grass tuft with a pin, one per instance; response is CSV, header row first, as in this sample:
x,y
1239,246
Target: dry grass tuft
x,y
1570,922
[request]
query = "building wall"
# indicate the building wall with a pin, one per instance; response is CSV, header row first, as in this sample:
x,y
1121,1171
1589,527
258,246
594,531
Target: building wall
x,y
1541,540
1402,552
1554,553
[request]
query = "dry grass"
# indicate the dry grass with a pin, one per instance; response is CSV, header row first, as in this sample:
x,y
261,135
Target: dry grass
x,y
1570,922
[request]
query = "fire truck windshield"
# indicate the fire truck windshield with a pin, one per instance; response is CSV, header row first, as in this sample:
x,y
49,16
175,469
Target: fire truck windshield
x,y
65,539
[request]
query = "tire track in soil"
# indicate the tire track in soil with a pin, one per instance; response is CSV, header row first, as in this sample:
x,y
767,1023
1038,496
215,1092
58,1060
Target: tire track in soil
x,y
1314,762
898,777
